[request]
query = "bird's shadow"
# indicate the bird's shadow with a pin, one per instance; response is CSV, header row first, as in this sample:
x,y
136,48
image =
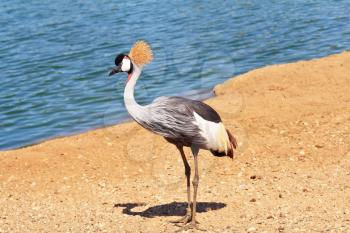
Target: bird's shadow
x,y
170,209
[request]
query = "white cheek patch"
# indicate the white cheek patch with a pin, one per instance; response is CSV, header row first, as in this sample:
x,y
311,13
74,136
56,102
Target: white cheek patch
x,y
126,65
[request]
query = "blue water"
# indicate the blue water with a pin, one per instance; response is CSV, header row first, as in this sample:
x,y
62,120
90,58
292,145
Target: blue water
x,y
55,55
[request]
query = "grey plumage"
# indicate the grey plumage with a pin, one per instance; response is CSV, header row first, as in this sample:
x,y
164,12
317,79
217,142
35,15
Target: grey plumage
x,y
173,118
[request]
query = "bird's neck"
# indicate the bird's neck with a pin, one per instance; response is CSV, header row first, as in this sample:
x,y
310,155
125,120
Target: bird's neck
x,y
134,109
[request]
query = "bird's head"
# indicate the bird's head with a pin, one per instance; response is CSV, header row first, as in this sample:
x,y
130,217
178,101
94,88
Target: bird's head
x,y
123,63
139,55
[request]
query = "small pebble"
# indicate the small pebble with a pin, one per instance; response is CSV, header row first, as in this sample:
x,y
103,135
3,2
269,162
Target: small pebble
x,y
253,177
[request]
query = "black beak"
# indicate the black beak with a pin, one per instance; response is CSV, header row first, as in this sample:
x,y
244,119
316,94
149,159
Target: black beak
x,y
115,70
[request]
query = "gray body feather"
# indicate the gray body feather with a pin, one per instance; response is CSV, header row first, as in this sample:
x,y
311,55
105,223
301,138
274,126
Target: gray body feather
x,y
173,118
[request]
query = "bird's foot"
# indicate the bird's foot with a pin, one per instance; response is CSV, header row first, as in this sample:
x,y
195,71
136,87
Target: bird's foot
x,y
193,225
184,220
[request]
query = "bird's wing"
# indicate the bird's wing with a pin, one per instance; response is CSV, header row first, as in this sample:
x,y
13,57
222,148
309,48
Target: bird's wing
x,y
190,122
173,118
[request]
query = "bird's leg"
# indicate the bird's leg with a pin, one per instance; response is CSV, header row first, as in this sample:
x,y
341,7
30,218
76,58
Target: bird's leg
x,y
195,181
185,219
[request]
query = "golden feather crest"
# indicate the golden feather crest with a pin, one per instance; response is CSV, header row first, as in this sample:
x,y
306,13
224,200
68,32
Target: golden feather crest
x,y
141,53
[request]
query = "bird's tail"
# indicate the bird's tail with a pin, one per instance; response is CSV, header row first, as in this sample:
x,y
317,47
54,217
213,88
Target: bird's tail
x,y
228,144
233,144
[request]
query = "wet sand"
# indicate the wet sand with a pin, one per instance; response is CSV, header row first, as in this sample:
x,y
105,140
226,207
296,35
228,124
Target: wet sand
x,y
291,172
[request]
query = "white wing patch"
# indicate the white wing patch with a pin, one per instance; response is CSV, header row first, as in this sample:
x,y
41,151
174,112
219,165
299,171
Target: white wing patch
x,y
214,133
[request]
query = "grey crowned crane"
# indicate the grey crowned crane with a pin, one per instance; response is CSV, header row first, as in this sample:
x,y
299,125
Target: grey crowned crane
x,y
181,121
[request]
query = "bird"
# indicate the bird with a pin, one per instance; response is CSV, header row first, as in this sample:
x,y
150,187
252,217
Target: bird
x,y
181,121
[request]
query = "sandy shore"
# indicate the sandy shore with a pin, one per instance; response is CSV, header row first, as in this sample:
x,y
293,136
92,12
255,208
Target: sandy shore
x,y
291,172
